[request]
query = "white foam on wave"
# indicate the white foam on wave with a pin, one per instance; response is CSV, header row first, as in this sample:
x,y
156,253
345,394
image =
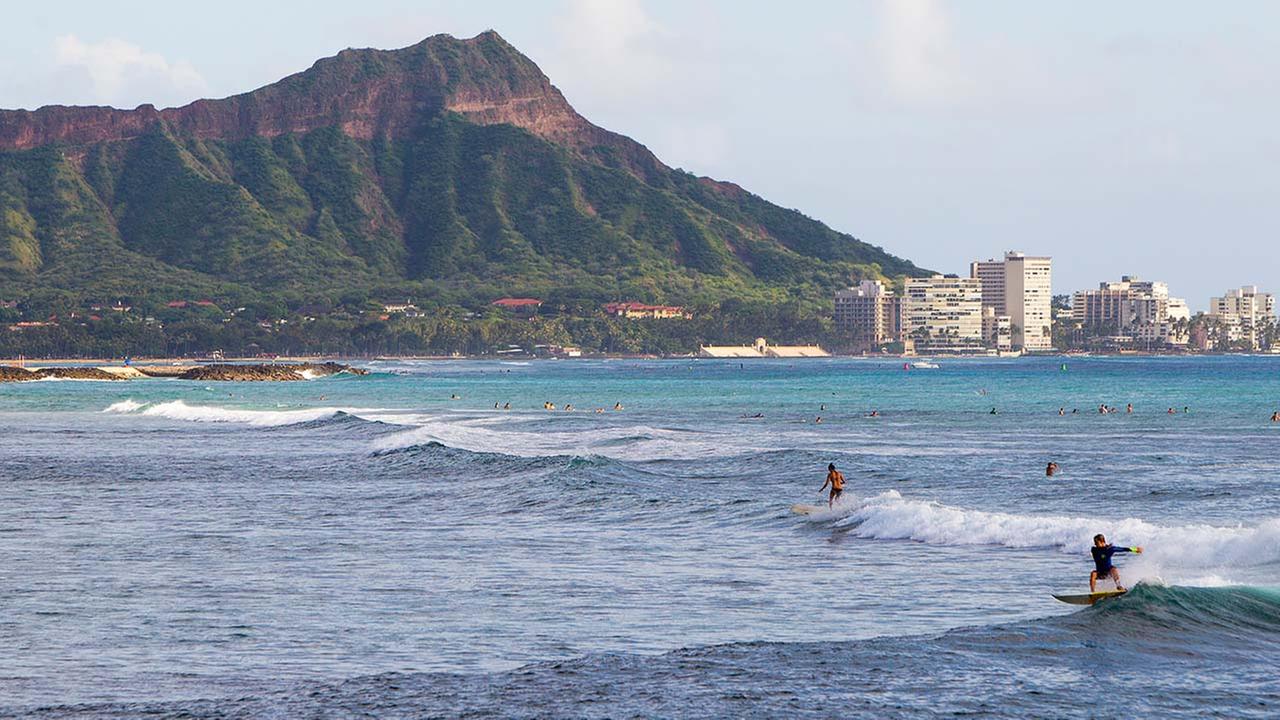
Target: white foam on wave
x,y
1168,549
633,442
124,406
179,410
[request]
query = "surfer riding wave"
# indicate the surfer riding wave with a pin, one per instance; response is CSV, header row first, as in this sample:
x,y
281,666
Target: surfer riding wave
x,y
836,480
1103,569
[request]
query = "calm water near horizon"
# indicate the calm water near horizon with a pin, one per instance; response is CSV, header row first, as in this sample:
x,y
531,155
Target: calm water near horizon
x,y
368,546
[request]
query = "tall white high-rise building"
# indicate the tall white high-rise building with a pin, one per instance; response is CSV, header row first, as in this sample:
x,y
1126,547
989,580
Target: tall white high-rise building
x,y
1021,287
943,314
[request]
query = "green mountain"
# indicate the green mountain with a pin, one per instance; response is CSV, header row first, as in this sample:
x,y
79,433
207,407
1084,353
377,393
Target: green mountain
x,y
451,171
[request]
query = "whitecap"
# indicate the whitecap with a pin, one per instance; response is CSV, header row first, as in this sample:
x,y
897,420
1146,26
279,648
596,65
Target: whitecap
x,y
1168,549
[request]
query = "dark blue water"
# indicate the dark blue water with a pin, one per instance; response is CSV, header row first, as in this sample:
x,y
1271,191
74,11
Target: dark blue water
x,y
369,546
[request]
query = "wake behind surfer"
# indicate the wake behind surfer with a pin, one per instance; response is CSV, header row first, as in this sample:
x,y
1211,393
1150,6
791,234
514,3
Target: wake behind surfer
x,y
1103,569
836,480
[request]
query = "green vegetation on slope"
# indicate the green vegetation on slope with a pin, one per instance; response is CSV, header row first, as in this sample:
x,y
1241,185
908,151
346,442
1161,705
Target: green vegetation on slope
x,y
453,214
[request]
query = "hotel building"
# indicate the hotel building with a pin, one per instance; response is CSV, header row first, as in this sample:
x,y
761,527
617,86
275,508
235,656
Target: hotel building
x,y
1020,287
1131,310
871,312
943,314
997,330
1246,313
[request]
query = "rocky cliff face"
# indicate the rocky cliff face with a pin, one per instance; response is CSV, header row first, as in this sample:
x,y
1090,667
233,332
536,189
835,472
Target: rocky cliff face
x,y
366,93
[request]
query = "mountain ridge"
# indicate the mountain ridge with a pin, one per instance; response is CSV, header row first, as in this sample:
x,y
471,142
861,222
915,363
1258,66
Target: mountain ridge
x,y
528,100
451,169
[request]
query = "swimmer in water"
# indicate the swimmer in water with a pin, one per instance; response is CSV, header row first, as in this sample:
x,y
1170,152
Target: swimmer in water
x,y
1062,411
1051,469
818,421
617,406
506,406
1129,408
1275,417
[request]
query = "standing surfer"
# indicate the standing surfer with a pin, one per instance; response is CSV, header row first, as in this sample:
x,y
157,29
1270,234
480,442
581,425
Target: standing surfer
x,y
1102,553
836,480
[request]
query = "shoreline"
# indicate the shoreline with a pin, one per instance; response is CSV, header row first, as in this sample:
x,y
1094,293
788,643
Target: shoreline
x,y
109,363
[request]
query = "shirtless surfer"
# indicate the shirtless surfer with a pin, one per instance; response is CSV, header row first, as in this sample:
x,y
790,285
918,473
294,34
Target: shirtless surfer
x,y
836,480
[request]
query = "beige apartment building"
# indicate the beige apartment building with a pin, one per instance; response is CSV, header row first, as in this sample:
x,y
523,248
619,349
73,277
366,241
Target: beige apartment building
x,y
871,312
997,331
1020,287
1246,314
1131,310
943,314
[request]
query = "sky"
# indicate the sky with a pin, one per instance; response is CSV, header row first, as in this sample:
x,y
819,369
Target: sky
x,y
1138,138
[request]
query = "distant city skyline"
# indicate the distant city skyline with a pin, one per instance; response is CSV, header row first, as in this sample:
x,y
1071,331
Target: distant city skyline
x,y
1131,139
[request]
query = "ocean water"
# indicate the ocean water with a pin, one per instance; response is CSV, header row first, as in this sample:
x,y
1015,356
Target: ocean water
x,y
368,546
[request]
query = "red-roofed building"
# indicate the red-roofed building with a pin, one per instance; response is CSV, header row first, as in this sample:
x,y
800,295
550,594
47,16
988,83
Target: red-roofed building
x,y
640,310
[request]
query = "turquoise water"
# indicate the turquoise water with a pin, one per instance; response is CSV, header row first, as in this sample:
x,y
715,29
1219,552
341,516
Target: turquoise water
x,y
368,544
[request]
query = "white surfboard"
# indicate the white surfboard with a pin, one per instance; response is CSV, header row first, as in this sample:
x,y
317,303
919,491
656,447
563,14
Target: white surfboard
x,y
807,509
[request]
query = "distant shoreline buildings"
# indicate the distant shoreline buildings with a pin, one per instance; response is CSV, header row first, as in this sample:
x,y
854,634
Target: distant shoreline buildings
x,y
1007,306
1003,306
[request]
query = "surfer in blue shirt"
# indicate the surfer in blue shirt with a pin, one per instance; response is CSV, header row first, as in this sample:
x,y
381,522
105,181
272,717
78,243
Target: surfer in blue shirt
x,y
1102,553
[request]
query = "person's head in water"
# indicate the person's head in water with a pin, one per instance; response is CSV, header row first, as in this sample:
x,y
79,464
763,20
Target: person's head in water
x,y
1099,540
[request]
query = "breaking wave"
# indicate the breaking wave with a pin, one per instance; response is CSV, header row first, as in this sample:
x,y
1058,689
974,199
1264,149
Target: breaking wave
x,y
179,410
889,516
634,442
